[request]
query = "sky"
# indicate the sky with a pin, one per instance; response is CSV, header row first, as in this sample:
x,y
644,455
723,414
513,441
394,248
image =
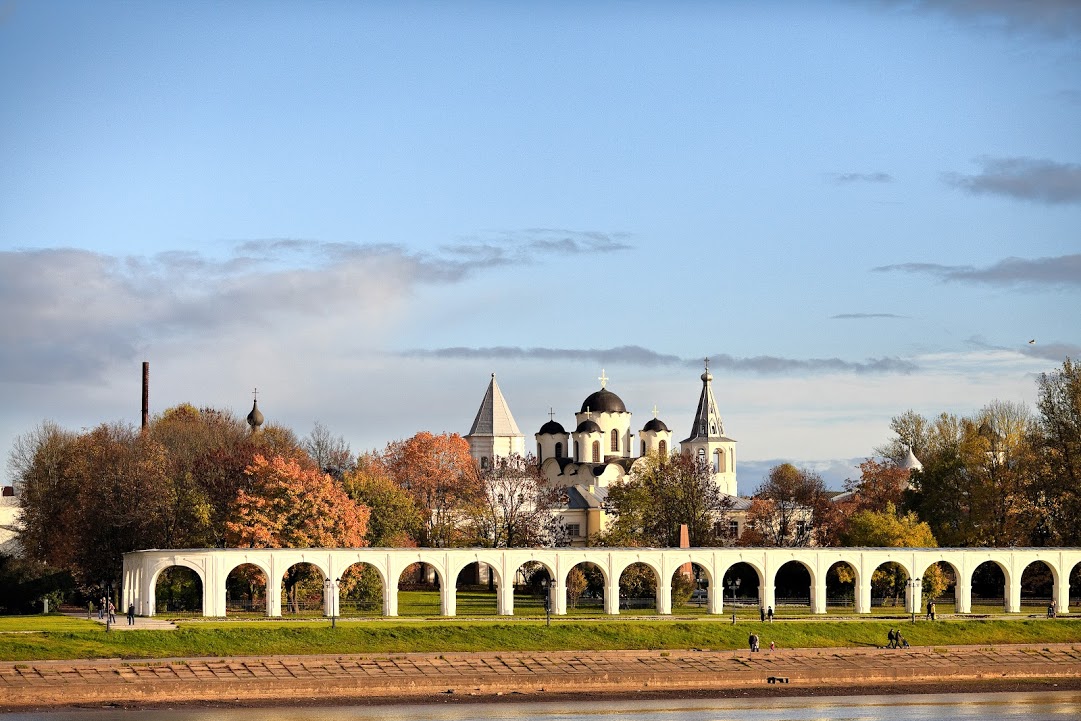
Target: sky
x,y
364,209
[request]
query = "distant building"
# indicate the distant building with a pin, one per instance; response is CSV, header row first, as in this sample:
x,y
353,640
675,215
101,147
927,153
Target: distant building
x,y
9,520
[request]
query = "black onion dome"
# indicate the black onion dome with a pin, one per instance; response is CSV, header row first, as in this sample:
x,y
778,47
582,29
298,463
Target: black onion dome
x,y
552,428
588,426
603,401
255,418
656,424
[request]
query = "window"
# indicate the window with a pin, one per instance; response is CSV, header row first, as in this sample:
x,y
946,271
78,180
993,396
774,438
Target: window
x,y
540,456
574,530
733,529
662,449
596,451
716,461
559,450
615,441
801,529
577,453
484,461
702,455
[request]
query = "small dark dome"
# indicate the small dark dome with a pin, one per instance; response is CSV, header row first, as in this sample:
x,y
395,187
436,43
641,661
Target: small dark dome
x,y
255,418
552,428
588,426
655,425
603,401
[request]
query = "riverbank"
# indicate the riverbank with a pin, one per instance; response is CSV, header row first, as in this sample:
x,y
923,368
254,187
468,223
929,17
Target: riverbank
x,y
471,677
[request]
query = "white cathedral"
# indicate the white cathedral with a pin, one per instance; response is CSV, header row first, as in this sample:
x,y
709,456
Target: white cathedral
x,y
600,451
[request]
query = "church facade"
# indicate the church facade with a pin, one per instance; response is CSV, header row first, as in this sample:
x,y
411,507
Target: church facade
x,y
602,449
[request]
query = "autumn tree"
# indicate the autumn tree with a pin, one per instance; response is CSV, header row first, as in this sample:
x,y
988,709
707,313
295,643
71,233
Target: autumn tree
x,y
330,453
1057,441
787,508
395,521
515,507
661,494
289,506
439,474
888,528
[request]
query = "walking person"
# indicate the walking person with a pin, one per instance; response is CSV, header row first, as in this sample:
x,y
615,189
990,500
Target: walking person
x,y
892,639
750,642
101,608
762,613
930,610
131,614
112,612
769,614
933,614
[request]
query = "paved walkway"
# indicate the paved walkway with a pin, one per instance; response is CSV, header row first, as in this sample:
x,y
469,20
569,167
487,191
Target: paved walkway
x,y
411,676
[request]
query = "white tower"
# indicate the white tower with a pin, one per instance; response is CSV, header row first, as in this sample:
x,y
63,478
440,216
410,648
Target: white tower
x,y
708,442
494,433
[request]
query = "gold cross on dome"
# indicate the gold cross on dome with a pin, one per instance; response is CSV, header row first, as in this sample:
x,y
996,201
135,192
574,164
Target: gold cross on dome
x,y
603,379
707,363
654,410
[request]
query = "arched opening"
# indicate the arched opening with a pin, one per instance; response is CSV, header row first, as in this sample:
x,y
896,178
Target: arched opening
x,y
888,585
418,591
559,450
476,591
741,588
939,588
662,448
792,590
577,453
532,584
360,592
540,454
177,592
690,586
585,587
988,588
717,461
245,591
841,588
1075,588
302,590
642,447
638,589
615,441
1037,587
596,451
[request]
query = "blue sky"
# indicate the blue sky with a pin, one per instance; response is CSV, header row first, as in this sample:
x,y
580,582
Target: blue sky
x,y
364,209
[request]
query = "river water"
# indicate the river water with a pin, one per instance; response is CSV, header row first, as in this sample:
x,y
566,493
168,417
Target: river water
x,y
1052,706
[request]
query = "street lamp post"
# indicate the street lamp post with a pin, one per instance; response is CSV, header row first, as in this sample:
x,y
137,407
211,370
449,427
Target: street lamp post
x,y
733,586
547,602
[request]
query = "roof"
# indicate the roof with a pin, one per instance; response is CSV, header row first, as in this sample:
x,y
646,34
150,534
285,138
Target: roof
x,y
587,426
494,417
656,425
552,428
603,401
707,424
580,497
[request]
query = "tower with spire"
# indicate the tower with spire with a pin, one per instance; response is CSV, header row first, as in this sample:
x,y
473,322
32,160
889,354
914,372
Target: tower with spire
x,y
707,440
494,433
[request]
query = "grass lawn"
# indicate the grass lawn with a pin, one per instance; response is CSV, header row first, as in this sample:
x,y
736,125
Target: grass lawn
x,y
58,637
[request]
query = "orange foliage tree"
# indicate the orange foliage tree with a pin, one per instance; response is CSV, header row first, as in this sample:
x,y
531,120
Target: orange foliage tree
x,y
440,475
289,506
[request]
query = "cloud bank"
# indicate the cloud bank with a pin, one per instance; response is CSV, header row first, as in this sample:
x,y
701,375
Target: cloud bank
x,y
1057,271
1032,179
847,178
1050,18
71,313
639,356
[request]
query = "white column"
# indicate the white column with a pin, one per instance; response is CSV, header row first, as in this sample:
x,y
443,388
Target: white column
x,y
611,595
1062,588
818,595
914,596
963,593
863,589
1013,593
559,599
664,598
448,599
505,593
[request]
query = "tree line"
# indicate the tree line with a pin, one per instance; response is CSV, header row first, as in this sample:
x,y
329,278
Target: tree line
x,y
198,477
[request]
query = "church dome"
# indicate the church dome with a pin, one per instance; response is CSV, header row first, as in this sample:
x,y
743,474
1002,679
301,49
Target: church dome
x,y
588,426
255,418
603,401
655,425
552,428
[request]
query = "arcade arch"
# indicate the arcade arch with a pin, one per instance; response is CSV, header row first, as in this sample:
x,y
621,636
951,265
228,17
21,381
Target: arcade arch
x,y
246,590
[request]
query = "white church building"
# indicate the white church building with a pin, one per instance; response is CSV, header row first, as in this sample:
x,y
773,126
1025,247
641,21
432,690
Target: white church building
x,y
602,449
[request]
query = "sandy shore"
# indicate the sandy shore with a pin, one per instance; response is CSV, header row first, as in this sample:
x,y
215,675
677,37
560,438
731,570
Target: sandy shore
x,y
467,678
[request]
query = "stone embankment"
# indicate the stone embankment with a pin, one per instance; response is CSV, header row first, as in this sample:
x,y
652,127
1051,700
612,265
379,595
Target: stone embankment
x,y
419,677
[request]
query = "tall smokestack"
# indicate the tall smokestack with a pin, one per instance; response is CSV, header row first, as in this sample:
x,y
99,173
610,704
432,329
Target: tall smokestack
x,y
146,394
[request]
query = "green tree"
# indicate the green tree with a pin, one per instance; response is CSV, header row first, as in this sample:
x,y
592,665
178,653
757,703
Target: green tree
x,y
662,493
395,520
515,507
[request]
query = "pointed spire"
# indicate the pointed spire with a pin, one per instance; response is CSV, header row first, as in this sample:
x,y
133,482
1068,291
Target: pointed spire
x,y
494,417
707,420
